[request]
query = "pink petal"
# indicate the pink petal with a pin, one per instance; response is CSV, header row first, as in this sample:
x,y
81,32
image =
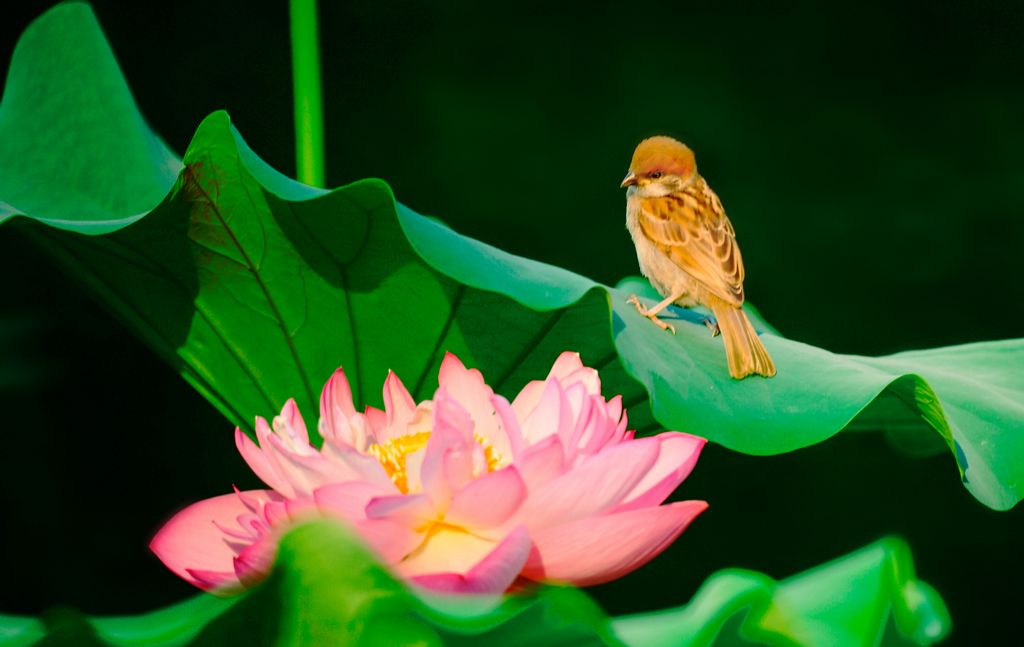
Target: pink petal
x,y
527,399
452,371
260,463
255,524
598,549
448,453
398,404
377,422
492,574
510,425
363,467
567,363
552,415
434,471
540,463
598,429
411,510
296,509
568,369
614,408
191,541
391,540
676,459
597,484
467,386
581,407
305,471
622,429
297,436
336,397
414,470
463,464
213,581
253,563
488,501
578,398
276,512
268,447
446,549
449,414
348,500
253,503
337,412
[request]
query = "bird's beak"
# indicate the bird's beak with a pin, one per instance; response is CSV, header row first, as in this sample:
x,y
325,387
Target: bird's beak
x,y
629,180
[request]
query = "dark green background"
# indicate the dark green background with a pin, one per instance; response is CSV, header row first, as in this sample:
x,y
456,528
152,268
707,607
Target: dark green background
x,y
869,157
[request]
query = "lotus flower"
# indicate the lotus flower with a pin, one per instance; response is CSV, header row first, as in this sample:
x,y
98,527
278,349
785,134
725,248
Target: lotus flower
x,y
463,493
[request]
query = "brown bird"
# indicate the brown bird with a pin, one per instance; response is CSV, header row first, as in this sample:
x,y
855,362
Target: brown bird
x,y
687,248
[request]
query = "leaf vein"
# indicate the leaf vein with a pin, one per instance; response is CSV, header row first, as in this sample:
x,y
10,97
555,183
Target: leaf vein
x,y
529,348
289,341
456,303
232,350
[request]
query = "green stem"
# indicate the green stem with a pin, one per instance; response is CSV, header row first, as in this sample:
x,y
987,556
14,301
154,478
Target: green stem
x,y
309,115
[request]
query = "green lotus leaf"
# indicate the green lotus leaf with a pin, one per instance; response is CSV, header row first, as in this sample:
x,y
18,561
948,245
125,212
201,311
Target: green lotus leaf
x,y
256,287
19,632
865,598
326,589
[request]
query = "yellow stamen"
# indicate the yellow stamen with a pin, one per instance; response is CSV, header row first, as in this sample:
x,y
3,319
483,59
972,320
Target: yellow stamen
x,y
393,453
492,457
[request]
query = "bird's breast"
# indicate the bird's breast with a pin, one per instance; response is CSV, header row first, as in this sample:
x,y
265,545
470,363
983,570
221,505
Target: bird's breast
x,y
664,275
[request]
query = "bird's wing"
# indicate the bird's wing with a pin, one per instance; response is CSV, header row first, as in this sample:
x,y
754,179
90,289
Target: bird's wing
x,y
691,228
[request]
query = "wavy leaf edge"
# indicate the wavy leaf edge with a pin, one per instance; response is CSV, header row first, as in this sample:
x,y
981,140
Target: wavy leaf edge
x,y
923,404
798,610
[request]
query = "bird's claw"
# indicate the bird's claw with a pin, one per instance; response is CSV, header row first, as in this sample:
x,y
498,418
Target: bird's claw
x,y
712,326
643,310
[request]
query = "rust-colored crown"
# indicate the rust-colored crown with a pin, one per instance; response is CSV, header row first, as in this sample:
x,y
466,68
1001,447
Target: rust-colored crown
x,y
661,153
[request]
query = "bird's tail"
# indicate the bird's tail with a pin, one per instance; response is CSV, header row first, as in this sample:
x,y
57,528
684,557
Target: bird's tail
x,y
743,348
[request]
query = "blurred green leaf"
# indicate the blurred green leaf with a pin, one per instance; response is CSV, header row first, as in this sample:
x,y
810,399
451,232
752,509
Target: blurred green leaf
x,y
256,287
18,632
327,590
73,139
858,599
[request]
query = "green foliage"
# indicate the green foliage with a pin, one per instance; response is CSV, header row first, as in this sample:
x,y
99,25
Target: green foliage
x,y
76,153
802,609
256,287
327,590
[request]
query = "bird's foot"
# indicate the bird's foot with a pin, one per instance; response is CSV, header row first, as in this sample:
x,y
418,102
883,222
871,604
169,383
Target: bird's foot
x,y
653,316
712,326
661,324
641,308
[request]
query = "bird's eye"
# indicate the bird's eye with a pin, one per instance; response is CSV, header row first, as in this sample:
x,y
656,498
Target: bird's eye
x,y
655,175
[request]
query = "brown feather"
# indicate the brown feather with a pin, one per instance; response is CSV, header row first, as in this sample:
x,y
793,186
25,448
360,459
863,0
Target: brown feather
x,y
687,247
744,351
663,154
691,228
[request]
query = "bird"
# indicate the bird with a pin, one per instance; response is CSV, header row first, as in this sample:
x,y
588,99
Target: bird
x,y
687,249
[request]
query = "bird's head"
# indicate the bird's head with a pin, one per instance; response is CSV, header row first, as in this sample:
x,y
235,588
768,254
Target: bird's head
x,y
661,165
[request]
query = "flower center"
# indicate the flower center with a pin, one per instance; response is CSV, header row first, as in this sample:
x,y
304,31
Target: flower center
x,y
393,453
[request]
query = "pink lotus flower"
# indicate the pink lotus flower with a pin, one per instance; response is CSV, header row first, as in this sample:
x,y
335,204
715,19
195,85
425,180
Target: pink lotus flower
x,y
465,492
